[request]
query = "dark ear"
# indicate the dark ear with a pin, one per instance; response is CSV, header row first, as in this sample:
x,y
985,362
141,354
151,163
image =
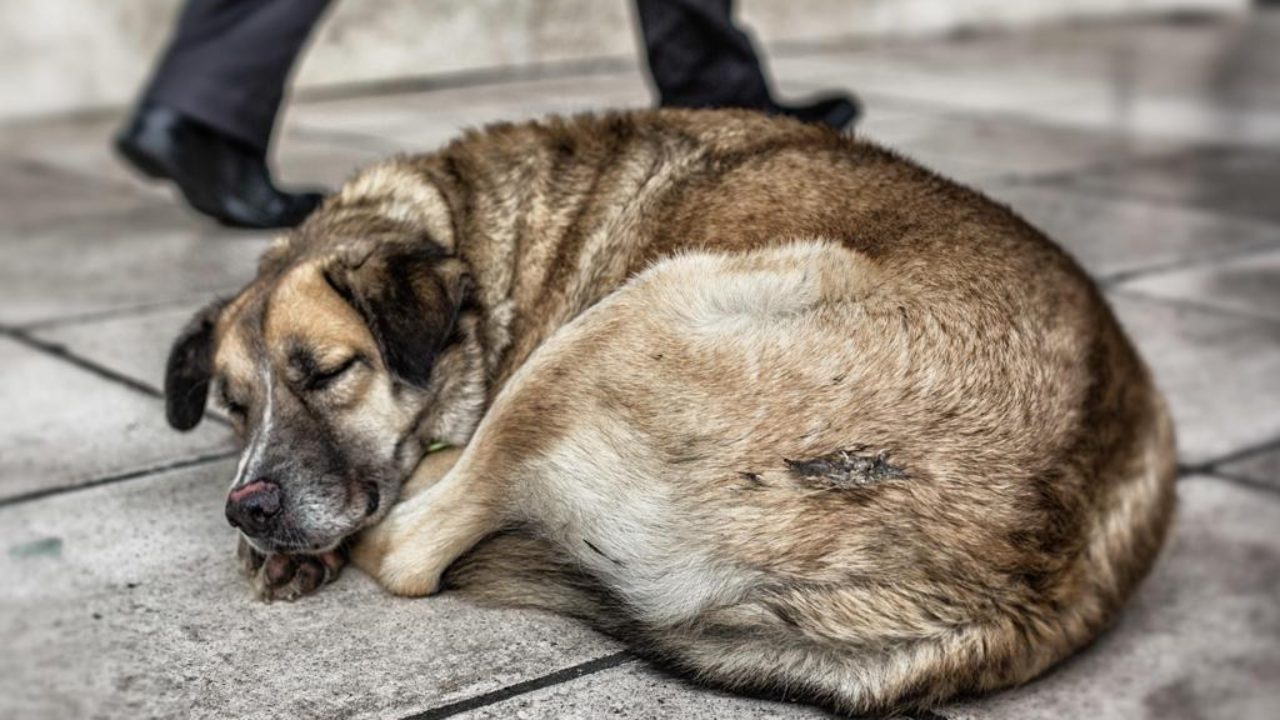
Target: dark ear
x,y
409,298
186,375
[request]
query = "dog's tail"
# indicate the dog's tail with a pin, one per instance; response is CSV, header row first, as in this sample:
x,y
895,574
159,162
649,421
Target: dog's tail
x,y
518,569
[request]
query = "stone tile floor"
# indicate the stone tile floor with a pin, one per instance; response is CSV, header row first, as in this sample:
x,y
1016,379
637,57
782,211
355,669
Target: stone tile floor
x,y
1149,149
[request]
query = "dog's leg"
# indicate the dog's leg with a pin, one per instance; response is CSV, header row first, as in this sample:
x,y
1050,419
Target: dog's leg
x,y
409,551
430,471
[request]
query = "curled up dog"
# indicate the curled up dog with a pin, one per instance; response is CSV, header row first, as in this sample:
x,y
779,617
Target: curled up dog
x,y
791,415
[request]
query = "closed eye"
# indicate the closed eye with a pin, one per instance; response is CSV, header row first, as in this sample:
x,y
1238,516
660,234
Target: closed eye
x,y
236,409
322,378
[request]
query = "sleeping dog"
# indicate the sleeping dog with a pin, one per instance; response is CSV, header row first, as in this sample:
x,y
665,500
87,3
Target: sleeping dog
x,y
790,414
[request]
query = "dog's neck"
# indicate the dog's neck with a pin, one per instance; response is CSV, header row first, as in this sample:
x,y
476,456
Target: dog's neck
x,y
547,231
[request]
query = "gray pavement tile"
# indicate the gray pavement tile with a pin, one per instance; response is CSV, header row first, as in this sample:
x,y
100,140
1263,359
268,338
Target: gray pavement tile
x,y
144,256
1227,56
304,162
971,148
1262,467
876,77
1201,639
1116,236
78,146
134,344
420,121
63,426
1248,284
126,601
1223,179
1213,83
33,194
1217,370
637,692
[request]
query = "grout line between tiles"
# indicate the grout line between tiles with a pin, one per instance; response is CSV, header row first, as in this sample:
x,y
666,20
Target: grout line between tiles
x,y
1063,181
1221,258
574,672
102,371
104,182
1189,305
127,311
118,478
347,139
85,364
1245,481
1211,466
1237,480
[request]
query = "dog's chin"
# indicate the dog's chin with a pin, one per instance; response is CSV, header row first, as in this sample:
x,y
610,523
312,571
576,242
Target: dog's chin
x,y
295,542
294,546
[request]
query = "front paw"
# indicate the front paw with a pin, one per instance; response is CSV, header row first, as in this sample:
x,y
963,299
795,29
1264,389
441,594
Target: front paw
x,y
405,571
288,577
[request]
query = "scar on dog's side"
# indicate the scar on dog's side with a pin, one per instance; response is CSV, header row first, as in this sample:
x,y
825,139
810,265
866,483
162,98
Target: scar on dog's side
x,y
847,468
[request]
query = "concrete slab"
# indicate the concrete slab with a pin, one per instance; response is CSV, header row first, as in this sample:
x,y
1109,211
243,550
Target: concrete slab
x,y
1208,82
125,601
135,344
1217,370
1186,56
422,121
138,257
1248,284
33,194
878,77
1118,237
1231,180
637,692
320,163
63,426
970,148
1201,638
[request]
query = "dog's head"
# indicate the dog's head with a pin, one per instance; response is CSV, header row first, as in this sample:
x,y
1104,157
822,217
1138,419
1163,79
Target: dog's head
x,y
337,366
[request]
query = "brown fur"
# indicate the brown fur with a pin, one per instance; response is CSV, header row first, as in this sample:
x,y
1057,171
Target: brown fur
x,y
792,414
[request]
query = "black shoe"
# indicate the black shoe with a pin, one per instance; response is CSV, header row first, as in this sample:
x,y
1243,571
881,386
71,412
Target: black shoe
x,y
837,111
220,176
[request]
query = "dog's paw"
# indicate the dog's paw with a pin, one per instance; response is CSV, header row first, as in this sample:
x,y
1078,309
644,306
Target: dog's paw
x,y
288,577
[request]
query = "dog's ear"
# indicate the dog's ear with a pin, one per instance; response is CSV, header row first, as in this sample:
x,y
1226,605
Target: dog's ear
x,y
410,299
190,365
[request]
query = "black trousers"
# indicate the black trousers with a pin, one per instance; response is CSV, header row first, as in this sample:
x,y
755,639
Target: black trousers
x,y
229,60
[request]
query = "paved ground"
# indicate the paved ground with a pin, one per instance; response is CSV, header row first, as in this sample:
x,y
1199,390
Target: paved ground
x,y
1149,150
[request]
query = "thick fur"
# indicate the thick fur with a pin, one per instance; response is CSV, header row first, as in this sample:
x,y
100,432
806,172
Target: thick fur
x,y
792,415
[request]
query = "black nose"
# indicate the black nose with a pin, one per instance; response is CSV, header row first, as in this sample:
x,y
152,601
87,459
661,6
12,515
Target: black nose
x,y
253,507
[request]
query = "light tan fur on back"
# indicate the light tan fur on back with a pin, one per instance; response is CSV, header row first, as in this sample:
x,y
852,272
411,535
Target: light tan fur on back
x,y
790,414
